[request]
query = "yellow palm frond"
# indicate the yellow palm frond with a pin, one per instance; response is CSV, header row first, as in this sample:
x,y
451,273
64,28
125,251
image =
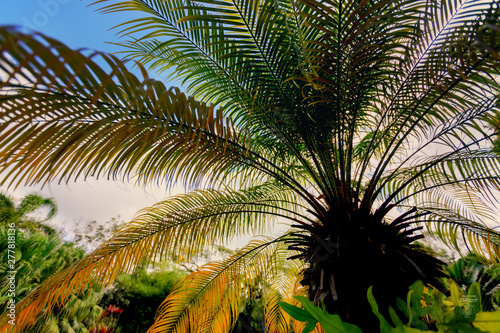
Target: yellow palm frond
x,y
210,299
196,221
281,287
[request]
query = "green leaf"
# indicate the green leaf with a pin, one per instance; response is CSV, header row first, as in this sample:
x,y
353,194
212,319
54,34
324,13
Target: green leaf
x,y
394,317
297,313
474,297
18,254
329,322
310,327
487,321
384,325
455,295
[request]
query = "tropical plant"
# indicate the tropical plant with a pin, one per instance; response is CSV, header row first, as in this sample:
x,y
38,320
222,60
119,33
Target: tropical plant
x,y
357,123
471,269
110,316
78,314
10,213
139,295
312,315
425,310
429,310
37,257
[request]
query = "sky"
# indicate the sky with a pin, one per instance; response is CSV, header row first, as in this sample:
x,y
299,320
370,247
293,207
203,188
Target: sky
x,y
78,25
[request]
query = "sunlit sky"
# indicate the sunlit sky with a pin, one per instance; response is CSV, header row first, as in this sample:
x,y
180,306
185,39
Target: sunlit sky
x,y
78,25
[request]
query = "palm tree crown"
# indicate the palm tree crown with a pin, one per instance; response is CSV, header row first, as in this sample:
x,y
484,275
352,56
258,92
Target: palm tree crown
x,y
10,213
356,122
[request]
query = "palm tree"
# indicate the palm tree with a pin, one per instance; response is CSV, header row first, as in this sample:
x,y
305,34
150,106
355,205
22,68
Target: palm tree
x,y
10,213
37,257
355,123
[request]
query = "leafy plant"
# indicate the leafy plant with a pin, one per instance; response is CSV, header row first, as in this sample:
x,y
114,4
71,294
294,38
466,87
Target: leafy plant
x,y
139,295
356,124
313,315
37,257
425,310
471,269
429,310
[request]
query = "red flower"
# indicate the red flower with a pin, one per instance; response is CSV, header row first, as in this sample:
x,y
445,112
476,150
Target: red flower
x,y
111,310
114,309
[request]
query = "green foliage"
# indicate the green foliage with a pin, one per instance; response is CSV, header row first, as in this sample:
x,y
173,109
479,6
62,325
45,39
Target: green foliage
x,y
429,310
9,213
37,257
356,123
471,269
425,310
78,314
139,295
313,314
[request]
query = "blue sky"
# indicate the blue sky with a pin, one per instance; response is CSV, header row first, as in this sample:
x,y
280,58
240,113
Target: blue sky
x,y
72,21
79,26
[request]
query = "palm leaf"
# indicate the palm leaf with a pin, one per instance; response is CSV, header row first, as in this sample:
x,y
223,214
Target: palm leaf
x,y
111,125
317,101
114,126
193,221
211,298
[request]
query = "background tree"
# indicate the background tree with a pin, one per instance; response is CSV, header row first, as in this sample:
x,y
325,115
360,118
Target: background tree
x,y
39,256
94,233
40,253
10,213
356,123
139,295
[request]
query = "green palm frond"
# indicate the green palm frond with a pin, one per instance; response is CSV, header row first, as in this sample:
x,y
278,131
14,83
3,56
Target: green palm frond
x,y
448,225
10,213
216,42
107,123
32,202
115,125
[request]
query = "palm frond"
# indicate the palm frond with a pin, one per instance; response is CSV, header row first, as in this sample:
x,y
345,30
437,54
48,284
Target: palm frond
x,y
447,225
281,287
215,42
62,116
310,111
444,84
477,168
193,221
211,298
59,121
